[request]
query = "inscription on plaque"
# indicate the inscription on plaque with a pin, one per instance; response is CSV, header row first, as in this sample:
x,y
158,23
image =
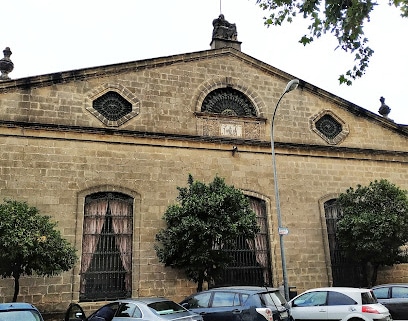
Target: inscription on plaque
x,y
231,130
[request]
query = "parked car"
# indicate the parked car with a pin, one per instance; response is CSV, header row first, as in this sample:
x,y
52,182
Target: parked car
x,y
140,309
338,303
395,298
239,303
19,311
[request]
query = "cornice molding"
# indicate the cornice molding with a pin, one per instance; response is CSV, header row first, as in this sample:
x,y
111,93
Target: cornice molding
x,y
216,142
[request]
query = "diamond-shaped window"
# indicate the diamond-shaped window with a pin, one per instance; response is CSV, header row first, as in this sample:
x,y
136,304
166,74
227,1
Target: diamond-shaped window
x,y
112,106
329,127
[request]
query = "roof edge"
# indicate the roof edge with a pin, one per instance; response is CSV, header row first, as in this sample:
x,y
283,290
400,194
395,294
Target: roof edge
x,y
104,70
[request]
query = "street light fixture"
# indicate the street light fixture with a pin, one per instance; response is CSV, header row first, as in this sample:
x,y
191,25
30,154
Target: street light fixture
x,y
292,85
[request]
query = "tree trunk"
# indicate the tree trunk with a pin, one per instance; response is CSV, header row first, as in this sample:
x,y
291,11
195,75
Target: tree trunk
x,y
200,286
371,271
374,276
16,286
200,281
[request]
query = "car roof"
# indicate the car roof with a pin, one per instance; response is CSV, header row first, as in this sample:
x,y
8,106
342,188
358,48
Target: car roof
x,y
341,289
17,306
245,288
350,290
390,284
145,300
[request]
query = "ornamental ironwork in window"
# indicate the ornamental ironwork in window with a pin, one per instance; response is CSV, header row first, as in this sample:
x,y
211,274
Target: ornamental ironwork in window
x,y
228,102
344,271
112,106
328,126
106,265
251,262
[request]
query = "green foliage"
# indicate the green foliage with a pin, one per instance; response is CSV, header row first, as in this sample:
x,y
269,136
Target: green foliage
x,y
29,243
206,219
374,223
345,19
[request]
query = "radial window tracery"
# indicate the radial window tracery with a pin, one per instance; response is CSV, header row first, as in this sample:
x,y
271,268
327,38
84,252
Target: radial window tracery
x,y
112,106
229,102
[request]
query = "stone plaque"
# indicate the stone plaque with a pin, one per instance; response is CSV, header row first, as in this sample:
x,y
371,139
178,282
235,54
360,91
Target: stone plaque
x,y
233,130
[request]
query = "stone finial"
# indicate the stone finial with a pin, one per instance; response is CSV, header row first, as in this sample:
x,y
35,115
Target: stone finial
x,y
6,65
384,109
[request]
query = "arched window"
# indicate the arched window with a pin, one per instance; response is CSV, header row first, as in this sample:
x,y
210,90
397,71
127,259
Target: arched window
x,y
228,102
344,273
251,264
106,266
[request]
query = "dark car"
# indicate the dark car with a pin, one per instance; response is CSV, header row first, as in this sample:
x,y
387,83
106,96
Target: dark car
x,y
19,311
140,309
232,303
395,298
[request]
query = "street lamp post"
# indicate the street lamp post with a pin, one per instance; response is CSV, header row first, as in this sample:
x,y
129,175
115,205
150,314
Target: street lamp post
x,y
289,87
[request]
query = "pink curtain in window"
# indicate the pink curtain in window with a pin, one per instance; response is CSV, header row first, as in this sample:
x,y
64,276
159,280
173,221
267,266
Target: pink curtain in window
x,y
94,218
122,226
259,244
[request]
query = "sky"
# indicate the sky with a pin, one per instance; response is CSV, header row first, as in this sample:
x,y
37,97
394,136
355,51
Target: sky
x,y
47,36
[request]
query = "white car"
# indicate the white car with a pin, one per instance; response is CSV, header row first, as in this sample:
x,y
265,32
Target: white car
x,y
338,303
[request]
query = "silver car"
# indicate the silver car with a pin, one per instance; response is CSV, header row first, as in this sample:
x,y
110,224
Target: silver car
x,y
338,303
140,309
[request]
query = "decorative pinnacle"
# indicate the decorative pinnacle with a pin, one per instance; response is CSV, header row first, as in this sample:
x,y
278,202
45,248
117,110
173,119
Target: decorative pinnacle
x,y
6,65
384,109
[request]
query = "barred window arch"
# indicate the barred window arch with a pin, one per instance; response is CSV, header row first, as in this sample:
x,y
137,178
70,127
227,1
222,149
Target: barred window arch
x,y
106,265
252,260
228,102
344,272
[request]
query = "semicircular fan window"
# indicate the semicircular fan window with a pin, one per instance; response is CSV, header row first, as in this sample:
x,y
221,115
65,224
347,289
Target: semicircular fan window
x,y
228,102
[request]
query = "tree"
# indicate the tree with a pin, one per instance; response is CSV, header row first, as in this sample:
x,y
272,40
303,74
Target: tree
x,y
29,243
373,226
343,18
206,219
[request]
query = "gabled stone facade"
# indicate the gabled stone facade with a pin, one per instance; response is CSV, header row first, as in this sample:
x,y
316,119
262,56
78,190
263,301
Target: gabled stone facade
x,y
139,128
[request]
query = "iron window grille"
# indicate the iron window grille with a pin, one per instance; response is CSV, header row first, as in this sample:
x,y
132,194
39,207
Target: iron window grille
x,y
106,266
228,102
251,263
112,106
344,272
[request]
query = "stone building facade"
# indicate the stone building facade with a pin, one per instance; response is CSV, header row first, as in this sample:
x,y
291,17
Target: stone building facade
x,y
121,138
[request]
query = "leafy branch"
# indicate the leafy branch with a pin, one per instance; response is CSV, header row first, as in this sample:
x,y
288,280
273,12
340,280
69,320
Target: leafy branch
x,y
345,19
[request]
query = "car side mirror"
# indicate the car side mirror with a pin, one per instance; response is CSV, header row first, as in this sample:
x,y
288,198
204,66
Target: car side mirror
x,y
186,305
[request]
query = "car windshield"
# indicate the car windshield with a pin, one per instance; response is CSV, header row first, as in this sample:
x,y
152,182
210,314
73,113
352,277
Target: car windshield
x,y
368,298
20,316
166,307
